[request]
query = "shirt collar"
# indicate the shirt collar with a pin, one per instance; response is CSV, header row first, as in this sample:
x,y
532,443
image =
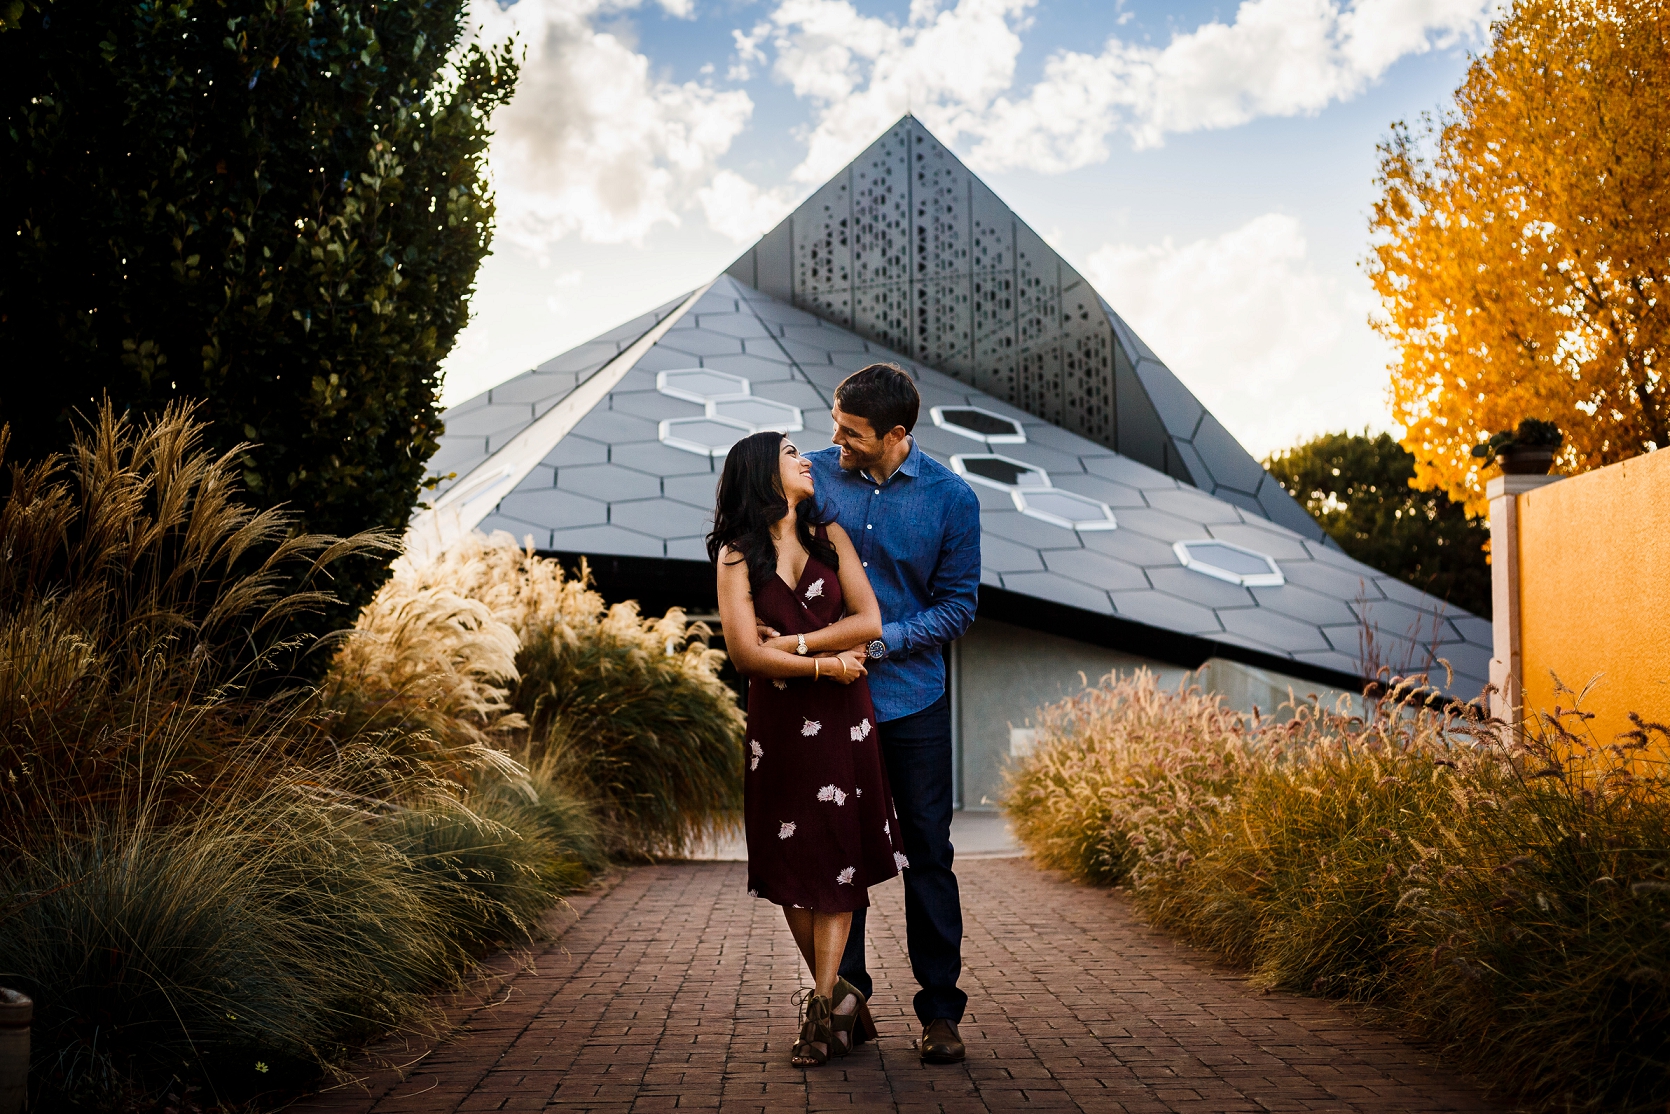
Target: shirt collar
x,y
911,465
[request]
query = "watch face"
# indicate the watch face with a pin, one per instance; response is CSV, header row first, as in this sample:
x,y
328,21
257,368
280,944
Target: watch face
x,y
878,649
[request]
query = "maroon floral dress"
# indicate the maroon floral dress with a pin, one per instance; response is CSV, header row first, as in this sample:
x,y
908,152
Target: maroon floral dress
x,y
818,812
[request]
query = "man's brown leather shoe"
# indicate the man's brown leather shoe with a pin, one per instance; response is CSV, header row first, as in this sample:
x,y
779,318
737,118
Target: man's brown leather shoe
x,y
941,1043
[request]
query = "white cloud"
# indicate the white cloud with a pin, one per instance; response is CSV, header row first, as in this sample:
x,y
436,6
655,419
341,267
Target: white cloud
x,y
954,67
748,52
737,208
1279,58
1273,347
945,65
593,144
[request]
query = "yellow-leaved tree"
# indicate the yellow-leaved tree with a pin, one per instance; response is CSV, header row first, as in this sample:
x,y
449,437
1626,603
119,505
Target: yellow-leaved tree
x,y
1522,245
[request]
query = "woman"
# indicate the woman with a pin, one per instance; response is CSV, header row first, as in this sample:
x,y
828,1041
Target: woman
x,y
817,809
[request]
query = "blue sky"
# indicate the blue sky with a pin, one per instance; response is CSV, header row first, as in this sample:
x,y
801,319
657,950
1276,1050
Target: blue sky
x,y
1208,166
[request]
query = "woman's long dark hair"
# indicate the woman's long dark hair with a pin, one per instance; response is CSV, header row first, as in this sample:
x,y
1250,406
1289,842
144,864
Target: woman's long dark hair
x,y
751,501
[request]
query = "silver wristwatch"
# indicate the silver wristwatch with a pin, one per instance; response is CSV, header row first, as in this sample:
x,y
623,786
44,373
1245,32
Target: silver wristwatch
x,y
877,650
801,649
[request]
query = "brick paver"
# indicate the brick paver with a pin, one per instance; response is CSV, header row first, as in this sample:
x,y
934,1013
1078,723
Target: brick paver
x,y
672,992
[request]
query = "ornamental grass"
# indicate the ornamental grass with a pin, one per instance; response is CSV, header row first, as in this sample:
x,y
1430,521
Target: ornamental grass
x,y
212,877
627,710
1504,890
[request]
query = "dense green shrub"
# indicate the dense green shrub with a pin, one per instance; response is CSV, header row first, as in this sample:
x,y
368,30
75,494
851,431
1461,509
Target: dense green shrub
x,y
276,207
1357,487
1502,890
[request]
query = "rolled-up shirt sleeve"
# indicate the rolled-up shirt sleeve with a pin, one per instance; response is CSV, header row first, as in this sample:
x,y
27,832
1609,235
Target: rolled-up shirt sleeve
x,y
954,587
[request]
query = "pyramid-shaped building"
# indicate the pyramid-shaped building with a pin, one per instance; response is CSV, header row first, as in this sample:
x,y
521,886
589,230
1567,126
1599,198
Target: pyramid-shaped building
x,y
1122,524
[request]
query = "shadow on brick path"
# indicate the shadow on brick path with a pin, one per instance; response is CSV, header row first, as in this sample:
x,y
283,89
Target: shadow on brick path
x,y
672,992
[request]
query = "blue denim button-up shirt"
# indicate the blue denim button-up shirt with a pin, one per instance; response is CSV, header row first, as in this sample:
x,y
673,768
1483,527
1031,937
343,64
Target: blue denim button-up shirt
x,y
918,534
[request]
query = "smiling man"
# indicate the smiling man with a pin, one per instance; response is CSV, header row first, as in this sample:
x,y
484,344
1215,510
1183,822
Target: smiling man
x,y
916,526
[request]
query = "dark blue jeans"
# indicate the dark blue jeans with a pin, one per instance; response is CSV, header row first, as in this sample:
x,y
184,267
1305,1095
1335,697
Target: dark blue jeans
x,y
917,750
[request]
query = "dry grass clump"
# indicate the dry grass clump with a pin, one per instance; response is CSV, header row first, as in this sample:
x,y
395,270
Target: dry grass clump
x,y
139,599
626,711
208,875
1505,891
1112,759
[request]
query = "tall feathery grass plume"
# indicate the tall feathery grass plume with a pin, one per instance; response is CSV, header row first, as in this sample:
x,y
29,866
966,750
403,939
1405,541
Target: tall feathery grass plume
x,y
1111,758
144,610
207,876
623,711
1502,888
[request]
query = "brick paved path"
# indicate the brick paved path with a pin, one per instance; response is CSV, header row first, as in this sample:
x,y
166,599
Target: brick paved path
x,y
672,992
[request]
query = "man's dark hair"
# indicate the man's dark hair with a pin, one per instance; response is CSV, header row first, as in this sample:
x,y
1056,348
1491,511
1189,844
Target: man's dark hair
x,y
883,395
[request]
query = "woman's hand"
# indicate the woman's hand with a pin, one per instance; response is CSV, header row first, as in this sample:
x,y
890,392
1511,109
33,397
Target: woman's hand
x,y
848,667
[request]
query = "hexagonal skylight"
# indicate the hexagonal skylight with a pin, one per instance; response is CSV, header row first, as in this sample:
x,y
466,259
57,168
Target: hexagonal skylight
x,y
698,384
703,436
978,424
757,413
999,471
1064,509
1228,561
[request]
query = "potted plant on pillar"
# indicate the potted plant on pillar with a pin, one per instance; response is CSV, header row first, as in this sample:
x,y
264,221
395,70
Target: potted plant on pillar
x,y
1526,451
16,1012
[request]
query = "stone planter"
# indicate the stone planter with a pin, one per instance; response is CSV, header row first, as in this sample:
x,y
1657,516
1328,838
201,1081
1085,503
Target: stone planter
x,y
16,1012
1527,460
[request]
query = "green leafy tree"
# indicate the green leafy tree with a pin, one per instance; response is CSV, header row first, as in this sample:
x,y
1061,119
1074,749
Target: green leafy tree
x,y
277,207
1357,487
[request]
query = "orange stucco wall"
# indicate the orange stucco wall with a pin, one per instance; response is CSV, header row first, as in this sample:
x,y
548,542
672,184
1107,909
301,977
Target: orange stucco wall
x,y
1594,583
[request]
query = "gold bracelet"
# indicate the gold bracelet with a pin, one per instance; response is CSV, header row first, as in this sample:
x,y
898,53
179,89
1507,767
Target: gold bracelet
x,y
816,674
843,662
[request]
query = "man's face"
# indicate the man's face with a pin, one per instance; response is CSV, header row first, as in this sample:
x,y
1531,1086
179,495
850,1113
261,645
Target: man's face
x,y
860,447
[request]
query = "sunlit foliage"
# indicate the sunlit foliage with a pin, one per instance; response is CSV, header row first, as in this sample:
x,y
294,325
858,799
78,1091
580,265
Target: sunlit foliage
x,y
1520,245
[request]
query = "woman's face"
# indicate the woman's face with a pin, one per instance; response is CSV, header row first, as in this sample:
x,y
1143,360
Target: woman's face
x,y
794,472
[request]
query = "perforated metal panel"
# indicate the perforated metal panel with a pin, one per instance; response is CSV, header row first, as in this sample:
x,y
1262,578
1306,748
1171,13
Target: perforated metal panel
x,y
910,250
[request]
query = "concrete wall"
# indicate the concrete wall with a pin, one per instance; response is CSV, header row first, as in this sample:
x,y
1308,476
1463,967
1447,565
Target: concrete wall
x,y
1002,674
1594,593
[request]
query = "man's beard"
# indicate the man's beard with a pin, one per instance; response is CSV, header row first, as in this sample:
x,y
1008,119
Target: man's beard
x,y
852,462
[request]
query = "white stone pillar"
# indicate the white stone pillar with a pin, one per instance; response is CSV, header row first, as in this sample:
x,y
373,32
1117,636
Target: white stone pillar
x,y
1506,669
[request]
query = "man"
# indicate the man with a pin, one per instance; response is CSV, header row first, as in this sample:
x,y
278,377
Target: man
x,y
916,526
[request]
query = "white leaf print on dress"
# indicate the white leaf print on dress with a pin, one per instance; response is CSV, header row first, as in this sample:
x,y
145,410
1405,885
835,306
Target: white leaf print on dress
x,y
900,862
831,793
845,877
859,792
753,893
862,731
887,828
786,830
754,746
810,727
814,589
780,685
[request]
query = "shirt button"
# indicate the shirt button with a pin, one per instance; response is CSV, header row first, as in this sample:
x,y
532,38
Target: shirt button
x,y
866,564
878,491
866,526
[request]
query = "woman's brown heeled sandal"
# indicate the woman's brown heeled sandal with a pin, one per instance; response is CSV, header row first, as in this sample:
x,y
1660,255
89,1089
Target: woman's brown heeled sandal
x,y
853,1028
814,1030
